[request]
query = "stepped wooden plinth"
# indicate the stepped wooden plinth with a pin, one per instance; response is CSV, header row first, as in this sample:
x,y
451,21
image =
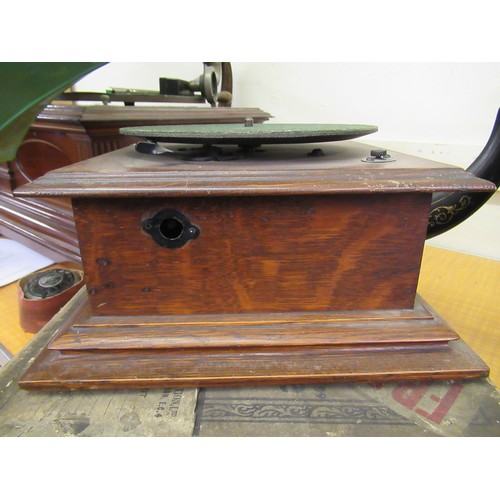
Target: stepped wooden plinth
x,y
252,349
276,268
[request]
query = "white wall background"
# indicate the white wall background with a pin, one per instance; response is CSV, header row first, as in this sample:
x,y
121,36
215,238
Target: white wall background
x,y
443,111
447,103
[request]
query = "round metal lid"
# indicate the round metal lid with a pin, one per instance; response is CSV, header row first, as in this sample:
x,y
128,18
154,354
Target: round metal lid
x,y
48,283
250,134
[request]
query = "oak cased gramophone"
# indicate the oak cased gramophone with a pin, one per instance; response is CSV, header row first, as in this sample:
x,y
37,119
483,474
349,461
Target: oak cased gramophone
x,y
254,254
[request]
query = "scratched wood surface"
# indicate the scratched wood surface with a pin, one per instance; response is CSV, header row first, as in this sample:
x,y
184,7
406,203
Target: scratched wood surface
x,y
186,332
264,364
278,170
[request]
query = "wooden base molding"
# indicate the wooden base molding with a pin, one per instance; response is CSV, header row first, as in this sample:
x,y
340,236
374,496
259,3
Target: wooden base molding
x,y
252,349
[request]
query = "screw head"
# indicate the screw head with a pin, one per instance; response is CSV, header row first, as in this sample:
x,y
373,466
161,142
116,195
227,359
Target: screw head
x,y
316,152
378,153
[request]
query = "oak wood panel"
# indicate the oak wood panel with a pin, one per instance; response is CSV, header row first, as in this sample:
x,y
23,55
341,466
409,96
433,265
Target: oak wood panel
x,y
157,368
189,337
45,225
41,212
86,320
400,326
101,116
45,150
278,170
255,254
207,366
448,270
101,124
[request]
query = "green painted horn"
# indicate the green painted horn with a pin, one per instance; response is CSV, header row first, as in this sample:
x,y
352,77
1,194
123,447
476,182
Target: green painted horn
x,y
25,88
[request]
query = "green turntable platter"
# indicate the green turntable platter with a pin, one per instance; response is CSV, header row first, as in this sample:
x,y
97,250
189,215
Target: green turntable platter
x,y
250,134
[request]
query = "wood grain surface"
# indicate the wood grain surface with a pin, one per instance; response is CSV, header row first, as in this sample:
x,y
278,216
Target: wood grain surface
x,y
327,234
255,254
472,310
354,328
277,170
237,365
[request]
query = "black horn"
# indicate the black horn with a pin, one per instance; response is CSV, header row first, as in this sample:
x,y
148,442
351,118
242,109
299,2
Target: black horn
x,y
450,209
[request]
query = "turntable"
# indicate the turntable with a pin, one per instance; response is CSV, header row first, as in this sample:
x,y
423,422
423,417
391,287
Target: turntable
x,y
253,254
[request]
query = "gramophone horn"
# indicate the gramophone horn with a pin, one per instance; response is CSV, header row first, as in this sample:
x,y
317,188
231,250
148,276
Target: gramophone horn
x,y
450,209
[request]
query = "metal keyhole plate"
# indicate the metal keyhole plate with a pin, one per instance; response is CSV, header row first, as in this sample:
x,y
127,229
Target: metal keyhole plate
x,y
170,228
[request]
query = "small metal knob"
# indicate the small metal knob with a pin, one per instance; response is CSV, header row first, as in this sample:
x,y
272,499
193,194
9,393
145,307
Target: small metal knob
x,y
378,156
248,122
378,153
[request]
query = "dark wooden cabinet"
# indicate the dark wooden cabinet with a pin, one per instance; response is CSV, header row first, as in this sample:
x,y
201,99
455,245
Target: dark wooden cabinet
x,y
63,135
277,266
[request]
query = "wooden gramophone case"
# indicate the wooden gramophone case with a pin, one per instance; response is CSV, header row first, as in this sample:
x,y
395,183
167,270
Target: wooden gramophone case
x,y
282,266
